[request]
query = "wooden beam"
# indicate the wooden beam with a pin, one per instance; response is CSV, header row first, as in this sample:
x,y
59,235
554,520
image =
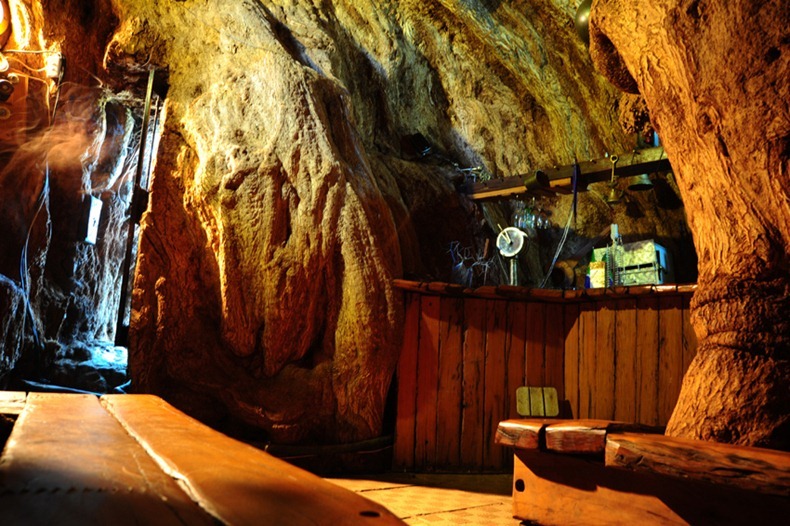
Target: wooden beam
x,y
559,178
12,402
521,434
235,482
68,461
749,468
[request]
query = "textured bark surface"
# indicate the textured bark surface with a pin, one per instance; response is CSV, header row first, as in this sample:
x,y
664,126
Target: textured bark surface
x,y
714,76
309,154
292,185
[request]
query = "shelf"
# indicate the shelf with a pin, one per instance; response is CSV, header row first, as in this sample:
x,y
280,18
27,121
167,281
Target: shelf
x,y
509,292
559,179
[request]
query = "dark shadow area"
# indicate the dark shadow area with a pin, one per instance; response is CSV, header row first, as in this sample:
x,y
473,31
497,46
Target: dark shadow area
x,y
583,480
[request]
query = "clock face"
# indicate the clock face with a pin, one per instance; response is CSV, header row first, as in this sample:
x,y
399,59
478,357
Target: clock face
x,y
511,241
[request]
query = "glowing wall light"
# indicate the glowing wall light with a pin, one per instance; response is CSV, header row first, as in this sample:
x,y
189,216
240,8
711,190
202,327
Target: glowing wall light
x,y
5,22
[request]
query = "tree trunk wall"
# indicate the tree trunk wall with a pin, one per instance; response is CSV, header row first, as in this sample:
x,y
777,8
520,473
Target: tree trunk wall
x,y
714,77
616,357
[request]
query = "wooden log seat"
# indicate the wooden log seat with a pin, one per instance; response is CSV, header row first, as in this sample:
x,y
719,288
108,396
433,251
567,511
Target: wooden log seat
x,y
134,459
601,472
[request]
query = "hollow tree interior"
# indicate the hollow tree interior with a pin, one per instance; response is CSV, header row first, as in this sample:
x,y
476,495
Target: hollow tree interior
x,y
275,261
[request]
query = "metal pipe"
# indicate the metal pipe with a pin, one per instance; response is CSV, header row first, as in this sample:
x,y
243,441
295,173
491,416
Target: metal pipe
x,y
121,335
147,183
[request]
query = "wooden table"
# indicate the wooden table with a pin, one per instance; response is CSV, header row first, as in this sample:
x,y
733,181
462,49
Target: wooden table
x,y
134,459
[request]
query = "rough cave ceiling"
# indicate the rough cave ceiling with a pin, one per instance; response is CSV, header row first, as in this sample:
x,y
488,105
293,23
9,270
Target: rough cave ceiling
x,y
309,154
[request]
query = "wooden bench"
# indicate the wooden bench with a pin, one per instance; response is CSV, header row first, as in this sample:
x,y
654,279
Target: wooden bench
x,y
134,459
601,472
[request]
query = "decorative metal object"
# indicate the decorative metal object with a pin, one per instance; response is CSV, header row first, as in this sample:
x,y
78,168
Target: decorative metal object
x,y
639,183
510,242
583,21
614,193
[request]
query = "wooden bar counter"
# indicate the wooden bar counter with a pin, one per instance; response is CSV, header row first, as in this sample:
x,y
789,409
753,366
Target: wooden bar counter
x,y
612,354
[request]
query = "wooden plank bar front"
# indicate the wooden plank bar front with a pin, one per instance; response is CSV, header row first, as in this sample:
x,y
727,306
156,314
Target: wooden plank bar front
x,y
237,483
450,381
427,386
472,417
601,349
405,424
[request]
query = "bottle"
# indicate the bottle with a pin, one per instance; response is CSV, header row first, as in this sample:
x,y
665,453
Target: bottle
x,y
613,254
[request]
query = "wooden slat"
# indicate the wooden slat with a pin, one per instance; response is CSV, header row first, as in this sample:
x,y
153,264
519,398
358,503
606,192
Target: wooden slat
x,y
571,362
516,362
448,409
647,360
604,362
755,469
670,370
68,461
405,425
521,433
588,353
551,402
587,436
237,483
523,407
536,404
494,385
427,374
625,393
12,402
580,436
472,414
555,348
536,343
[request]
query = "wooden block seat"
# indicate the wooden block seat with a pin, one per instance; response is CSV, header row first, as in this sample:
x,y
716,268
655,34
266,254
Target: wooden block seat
x,y
134,459
602,472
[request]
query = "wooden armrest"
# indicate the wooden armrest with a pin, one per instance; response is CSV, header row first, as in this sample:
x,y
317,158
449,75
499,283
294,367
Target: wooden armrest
x,y
235,482
134,459
750,468
563,436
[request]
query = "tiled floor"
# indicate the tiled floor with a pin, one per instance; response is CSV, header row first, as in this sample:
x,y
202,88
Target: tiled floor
x,y
420,499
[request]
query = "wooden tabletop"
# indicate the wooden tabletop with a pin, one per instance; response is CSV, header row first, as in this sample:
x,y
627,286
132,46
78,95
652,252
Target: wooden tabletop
x,y
134,459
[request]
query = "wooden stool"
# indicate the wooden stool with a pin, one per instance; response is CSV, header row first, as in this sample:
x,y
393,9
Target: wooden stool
x,y
601,472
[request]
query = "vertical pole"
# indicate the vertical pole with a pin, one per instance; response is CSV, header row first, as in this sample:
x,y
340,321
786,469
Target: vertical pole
x,y
121,332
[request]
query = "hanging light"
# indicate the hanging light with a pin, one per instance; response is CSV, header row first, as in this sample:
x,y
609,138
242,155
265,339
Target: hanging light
x,y
583,21
639,183
614,195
